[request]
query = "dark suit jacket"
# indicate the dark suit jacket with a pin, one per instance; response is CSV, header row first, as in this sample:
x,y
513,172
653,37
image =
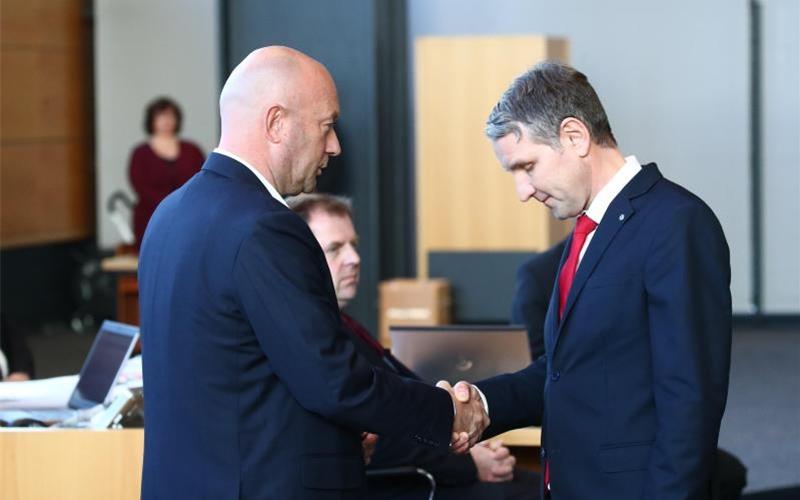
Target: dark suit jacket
x,y
254,391
534,286
633,384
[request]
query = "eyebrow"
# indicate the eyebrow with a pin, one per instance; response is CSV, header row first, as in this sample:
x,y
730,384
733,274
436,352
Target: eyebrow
x,y
515,165
341,243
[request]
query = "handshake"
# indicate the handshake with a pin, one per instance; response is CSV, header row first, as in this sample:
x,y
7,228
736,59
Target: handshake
x,y
470,418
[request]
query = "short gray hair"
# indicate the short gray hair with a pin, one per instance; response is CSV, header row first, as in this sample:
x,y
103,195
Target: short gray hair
x,y
541,98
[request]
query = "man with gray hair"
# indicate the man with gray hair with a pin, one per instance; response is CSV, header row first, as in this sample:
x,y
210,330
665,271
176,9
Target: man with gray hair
x,y
632,386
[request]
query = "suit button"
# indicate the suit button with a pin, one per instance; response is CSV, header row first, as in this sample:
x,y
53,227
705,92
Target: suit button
x,y
555,376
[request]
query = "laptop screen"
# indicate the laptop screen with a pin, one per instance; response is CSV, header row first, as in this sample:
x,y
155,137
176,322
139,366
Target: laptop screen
x,y
111,347
456,353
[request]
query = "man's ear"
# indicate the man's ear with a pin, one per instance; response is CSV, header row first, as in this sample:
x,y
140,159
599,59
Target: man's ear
x,y
573,134
275,123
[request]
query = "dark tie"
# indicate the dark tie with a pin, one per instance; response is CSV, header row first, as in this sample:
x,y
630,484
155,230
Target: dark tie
x,y
362,333
583,227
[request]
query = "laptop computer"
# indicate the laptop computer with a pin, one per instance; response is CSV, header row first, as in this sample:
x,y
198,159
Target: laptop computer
x,y
456,353
111,348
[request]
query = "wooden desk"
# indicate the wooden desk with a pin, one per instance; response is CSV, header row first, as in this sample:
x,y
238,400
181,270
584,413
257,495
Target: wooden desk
x,y
125,266
120,264
528,436
45,464
66,464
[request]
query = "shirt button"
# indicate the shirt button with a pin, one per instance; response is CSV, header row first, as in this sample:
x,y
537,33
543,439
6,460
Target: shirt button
x,y
555,376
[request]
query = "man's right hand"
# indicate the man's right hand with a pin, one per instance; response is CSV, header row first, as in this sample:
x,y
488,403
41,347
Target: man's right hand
x,y
470,415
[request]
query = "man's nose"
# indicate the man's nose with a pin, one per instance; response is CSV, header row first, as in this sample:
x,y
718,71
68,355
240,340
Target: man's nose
x,y
333,148
352,257
524,188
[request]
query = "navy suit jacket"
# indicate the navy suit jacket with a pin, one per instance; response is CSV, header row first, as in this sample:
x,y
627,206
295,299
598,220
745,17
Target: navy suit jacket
x,y
633,383
253,389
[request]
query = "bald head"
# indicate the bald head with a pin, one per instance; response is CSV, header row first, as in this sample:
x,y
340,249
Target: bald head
x,y
273,106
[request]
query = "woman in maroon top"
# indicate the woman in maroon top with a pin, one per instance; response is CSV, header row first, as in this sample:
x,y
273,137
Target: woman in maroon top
x,y
162,164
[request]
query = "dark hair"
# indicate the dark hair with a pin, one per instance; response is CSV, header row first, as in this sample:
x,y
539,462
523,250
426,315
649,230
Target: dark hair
x,y
541,98
306,204
157,106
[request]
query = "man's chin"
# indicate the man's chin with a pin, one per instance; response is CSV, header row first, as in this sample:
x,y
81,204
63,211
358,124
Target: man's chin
x,y
561,213
347,293
310,186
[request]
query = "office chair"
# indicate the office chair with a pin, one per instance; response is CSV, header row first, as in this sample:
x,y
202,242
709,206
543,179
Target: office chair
x,y
405,471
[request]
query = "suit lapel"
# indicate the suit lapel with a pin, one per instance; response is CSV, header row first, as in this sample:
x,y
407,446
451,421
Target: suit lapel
x,y
618,213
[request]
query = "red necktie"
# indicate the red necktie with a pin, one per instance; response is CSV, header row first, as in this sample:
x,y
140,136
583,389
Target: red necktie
x,y
583,227
357,328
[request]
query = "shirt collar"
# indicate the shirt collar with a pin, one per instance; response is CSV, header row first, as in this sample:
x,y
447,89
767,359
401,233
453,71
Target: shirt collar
x,y
272,191
601,202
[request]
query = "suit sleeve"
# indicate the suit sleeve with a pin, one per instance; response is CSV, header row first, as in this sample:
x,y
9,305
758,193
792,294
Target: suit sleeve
x,y
515,399
450,469
687,280
290,304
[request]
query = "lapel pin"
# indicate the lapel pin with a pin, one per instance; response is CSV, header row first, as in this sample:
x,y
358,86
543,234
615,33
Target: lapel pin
x,y
621,217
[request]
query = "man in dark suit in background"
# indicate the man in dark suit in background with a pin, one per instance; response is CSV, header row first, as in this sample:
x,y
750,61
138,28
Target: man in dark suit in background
x,y
488,471
632,387
254,390
534,286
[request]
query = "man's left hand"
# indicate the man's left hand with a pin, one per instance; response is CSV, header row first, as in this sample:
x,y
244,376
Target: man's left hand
x,y
494,462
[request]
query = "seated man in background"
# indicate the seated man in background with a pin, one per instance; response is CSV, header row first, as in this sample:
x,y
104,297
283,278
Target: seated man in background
x,y
487,472
535,281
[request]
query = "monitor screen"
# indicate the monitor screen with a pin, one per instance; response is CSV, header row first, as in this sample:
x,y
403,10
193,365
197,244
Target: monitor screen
x,y
110,349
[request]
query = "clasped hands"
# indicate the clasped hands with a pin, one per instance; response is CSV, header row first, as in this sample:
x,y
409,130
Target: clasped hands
x,y
470,415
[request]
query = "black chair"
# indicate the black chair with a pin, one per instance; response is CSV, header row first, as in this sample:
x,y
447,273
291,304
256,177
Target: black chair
x,y
406,471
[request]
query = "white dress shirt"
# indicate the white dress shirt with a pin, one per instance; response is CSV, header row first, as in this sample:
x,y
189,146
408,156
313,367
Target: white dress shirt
x,y
3,366
597,209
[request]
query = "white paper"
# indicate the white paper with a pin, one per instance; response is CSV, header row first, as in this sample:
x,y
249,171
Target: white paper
x,y
37,394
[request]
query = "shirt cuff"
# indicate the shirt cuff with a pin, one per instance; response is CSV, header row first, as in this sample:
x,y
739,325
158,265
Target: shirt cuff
x,y
483,398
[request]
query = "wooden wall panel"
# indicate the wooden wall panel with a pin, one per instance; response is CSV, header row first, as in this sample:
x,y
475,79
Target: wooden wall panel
x,y
44,95
42,193
465,201
53,23
46,167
